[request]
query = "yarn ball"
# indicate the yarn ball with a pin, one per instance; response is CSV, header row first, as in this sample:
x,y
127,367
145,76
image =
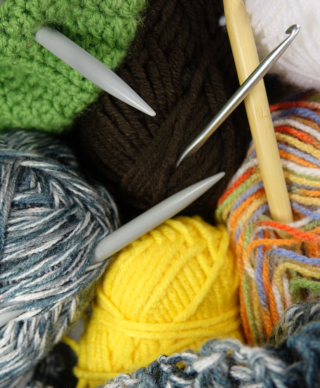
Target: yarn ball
x,y
277,270
38,90
51,221
290,363
300,64
181,64
170,290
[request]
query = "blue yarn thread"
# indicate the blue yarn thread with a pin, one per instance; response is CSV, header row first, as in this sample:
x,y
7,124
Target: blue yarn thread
x,y
51,219
291,360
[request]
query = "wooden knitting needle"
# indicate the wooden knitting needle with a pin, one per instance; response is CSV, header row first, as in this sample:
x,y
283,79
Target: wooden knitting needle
x,y
258,111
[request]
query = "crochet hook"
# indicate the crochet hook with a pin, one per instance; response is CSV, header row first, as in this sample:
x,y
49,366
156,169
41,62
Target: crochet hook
x,y
90,67
133,230
246,59
249,83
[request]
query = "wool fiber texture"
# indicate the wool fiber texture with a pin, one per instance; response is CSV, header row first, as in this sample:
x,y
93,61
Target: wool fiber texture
x,y
275,271
300,64
38,90
290,363
290,360
51,221
182,66
55,370
170,290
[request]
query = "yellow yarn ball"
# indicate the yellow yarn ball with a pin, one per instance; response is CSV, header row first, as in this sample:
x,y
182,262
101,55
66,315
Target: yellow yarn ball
x,y
170,290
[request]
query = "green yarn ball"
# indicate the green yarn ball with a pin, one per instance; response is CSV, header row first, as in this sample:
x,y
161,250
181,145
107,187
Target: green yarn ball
x,y
38,90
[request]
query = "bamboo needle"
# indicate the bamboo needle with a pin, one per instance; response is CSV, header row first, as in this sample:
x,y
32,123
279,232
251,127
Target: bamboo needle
x,y
258,112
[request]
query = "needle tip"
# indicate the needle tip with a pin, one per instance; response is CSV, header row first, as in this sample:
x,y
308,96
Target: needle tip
x,y
151,112
294,29
130,97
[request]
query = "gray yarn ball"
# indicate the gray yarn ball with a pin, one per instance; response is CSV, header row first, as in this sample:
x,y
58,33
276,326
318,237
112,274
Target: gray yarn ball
x,y
51,219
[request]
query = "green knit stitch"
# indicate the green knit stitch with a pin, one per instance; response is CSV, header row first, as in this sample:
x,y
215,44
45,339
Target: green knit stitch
x,y
38,90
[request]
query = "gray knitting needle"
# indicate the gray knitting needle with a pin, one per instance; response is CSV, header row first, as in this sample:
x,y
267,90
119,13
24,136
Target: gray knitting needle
x,y
240,94
90,67
139,226
151,218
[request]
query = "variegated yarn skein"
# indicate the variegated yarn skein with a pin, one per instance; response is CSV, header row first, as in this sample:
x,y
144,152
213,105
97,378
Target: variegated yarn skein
x,y
276,272
51,219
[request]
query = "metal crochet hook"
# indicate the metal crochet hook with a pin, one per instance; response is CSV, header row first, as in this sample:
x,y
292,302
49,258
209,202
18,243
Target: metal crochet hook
x,y
240,94
90,67
131,231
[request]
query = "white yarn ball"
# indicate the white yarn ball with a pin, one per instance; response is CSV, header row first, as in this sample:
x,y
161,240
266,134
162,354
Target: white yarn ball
x,y
300,64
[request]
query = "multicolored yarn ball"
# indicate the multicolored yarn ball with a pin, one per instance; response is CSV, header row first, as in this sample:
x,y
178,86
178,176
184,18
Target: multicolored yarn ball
x,y
171,290
181,64
275,271
300,64
51,220
38,90
290,362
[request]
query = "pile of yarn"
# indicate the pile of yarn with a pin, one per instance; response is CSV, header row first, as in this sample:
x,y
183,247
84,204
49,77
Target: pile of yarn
x,y
51,220
292,361
181,64
38,90
170,290
299,65
277,270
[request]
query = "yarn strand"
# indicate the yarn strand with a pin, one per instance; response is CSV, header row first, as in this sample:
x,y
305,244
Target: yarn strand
x,y
273,268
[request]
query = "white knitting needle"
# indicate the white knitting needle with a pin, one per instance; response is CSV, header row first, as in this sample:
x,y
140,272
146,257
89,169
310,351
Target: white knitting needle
x,y
139,226
90,67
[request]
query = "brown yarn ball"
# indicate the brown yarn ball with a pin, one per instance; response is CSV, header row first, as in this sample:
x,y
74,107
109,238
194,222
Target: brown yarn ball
x,y
181,64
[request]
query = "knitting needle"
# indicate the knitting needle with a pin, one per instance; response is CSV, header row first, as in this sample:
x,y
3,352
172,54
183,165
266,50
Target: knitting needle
x,y
152,218
90,67
258,111
139,226
239,95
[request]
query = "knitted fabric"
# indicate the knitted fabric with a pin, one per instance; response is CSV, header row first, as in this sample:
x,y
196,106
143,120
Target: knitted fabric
x,y
293,362
181,64
170,290
51,220
38,90
300,64
275,271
